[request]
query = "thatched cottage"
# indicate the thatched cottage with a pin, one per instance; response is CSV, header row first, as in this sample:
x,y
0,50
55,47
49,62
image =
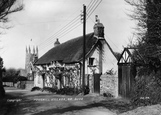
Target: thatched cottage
x,y
62,65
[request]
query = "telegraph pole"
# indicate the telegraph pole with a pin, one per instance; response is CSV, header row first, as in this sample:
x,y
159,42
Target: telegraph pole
x,y
84,46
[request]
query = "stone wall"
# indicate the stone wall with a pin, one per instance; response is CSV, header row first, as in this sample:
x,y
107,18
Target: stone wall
x,y
29,85
109,84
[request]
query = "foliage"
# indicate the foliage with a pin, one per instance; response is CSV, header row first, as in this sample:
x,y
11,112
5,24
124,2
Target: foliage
x,y
8,7
86,90
107,95
110,72
20,78
50,89
59,71
8,79
68,91
2,91
148,34
63,91
11,72
36,89
146,90
117,55
29,76
10,75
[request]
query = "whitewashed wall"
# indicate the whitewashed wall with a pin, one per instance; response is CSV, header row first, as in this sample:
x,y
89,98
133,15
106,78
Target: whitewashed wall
x,y
109,61
108,83
38,80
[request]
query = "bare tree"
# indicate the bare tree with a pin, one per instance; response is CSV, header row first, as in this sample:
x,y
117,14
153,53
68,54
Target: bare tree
x,y
6,7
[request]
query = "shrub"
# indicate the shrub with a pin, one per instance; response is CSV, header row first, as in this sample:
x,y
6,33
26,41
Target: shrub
x,y
86,90
107,95
66,91
50,89
63,91
146,90
80,90
36,89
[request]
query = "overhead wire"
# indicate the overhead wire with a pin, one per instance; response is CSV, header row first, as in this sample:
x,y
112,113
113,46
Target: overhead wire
x,y
50,36
71,25
112,42
61,31
94,8
90,14
64,33
89,5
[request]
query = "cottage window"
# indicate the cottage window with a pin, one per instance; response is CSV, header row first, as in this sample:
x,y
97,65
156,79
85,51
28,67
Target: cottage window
x,y
91,60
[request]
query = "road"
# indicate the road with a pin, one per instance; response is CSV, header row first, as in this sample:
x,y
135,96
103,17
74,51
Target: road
x,y
24,102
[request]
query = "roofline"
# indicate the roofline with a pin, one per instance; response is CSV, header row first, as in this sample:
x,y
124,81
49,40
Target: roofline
x,y
111,49
87,54
121,55
94,47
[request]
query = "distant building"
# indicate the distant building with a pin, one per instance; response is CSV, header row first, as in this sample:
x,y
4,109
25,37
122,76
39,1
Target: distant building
x,y
31,57
23,73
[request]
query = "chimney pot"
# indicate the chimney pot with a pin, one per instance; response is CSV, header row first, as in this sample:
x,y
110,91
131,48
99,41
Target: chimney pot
x,y
98,28
57,42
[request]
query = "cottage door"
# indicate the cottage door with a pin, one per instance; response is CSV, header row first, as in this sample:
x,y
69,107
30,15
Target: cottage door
x,y
97,83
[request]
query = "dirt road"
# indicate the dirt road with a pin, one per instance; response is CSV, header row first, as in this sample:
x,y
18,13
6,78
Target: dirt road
x,y
24,102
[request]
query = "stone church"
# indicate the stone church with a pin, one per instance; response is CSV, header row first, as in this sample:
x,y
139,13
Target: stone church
x,y
31,57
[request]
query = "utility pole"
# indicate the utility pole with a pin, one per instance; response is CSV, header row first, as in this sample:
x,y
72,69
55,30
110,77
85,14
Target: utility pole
x,y
84,46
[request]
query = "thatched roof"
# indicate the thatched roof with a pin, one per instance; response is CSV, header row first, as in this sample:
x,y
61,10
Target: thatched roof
x,y
68,52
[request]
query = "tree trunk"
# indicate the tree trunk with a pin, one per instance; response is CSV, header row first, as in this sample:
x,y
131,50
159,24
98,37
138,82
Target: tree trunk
x,y
2,91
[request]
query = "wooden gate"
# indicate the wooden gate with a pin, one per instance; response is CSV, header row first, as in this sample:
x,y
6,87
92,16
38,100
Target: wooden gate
x,y
126,73
126,79
97,83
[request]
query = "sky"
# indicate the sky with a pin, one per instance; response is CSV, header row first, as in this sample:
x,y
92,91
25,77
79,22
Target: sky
x,y
42,21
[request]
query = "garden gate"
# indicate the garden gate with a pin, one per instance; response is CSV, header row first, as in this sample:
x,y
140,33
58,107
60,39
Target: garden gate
x,y
126,72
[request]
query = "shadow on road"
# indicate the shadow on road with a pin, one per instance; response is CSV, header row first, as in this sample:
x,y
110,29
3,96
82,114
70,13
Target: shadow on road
x,y
110,104
26,105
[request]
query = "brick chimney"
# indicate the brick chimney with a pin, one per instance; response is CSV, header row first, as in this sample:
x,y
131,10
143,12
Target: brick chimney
x,y
57,42
98,28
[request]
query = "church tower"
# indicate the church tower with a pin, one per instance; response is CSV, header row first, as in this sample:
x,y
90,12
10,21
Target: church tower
x,y
27,61
31,57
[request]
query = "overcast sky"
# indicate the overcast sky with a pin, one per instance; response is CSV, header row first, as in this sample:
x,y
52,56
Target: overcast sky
x,y
40,21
